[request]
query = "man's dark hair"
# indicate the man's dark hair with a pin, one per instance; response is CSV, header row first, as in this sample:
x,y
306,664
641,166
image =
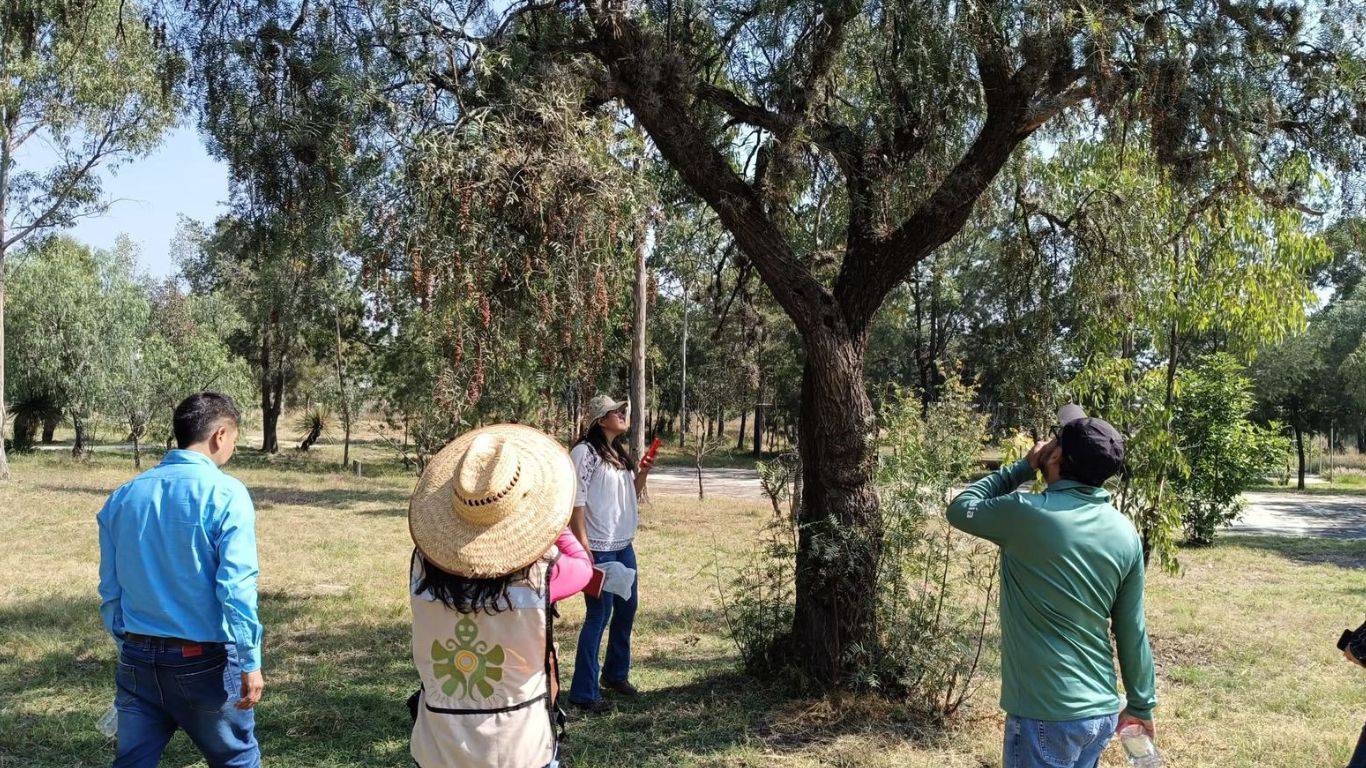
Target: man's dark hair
x,y
200,414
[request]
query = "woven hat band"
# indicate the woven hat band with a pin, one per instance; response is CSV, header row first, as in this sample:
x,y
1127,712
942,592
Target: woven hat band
x,y
487,481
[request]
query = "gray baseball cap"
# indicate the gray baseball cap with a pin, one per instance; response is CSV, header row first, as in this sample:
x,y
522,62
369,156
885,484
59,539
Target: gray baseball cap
x,y
601,405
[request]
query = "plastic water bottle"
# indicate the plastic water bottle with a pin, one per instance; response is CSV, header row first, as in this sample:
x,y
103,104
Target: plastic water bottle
x,y
1138,747
108,724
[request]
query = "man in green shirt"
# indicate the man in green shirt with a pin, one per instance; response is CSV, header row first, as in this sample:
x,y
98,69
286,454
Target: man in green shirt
x,y
1071,572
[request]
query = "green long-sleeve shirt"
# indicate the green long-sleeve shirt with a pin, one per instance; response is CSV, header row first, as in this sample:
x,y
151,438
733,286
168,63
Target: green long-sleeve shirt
x,y
1071,570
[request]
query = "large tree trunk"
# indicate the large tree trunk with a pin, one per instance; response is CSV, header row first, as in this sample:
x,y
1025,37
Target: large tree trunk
x,y
643,237
6,124
4,410
683,378
78,445
50,422
740,439
341,390
840,538
1299,449
270,394
835,625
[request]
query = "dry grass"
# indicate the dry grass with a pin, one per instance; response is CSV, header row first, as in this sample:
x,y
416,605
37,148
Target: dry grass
x,y
1244,641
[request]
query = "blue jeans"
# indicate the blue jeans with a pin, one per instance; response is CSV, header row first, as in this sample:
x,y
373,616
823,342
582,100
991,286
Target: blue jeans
x,y
622,615
1359,756
1064,744
160,690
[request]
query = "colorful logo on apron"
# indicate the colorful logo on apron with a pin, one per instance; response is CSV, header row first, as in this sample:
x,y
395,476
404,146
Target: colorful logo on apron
x,y
467,663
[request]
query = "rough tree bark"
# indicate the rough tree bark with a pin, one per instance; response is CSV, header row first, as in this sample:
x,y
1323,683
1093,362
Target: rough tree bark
x,y
643,235
1299,450
341,390
6,125
272,390
683,378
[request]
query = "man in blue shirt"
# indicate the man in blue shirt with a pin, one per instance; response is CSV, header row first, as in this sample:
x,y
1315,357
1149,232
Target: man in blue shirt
x,y
178,593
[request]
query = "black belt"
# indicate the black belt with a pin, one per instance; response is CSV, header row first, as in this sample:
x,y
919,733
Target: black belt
x,y
165,642
490,711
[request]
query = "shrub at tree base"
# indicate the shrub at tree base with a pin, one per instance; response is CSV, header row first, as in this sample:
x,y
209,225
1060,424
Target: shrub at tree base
x,y
935,586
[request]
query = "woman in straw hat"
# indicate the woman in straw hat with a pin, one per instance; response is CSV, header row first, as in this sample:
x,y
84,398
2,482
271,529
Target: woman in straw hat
x,y
492,555
606,512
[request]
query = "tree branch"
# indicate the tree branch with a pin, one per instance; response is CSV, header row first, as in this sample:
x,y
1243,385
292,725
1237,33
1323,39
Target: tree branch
x,y
655,89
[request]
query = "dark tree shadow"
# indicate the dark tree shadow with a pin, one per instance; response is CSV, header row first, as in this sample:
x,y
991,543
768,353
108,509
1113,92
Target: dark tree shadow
x,y
333,498
336,692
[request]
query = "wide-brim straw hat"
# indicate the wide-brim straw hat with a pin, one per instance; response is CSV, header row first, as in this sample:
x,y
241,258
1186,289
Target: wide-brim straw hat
x,y
492,501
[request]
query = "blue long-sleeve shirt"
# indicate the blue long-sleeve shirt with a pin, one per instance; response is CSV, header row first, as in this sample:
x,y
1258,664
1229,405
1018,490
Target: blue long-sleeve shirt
x,y
178,556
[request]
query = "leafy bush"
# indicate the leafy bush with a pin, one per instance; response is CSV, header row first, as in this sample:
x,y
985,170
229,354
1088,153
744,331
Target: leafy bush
x,y
935,586
1225,451
758,602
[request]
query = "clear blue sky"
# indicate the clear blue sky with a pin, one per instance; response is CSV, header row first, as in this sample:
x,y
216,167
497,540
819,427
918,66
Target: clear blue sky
x,y
151,193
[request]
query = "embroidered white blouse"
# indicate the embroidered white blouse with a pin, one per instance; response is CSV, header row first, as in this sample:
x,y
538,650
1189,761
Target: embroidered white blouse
x,y
608,495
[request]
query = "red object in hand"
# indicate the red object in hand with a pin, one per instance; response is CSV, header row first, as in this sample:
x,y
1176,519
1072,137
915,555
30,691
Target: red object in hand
x,y
594,588
649,459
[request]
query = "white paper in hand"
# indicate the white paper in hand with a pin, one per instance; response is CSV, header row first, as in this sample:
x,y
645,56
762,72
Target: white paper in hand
x,y
617,579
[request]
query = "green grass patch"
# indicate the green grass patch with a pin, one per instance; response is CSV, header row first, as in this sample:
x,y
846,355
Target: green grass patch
x,y
1243,640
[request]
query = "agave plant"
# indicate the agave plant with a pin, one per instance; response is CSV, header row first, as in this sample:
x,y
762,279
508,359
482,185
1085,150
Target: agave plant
x,y
28,414
313,422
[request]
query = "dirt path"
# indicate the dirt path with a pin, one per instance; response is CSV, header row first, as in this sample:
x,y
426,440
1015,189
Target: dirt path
x,y
1277,513
682,481
1286,513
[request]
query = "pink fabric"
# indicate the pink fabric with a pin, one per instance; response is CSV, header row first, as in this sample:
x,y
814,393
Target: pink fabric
x,y
572,571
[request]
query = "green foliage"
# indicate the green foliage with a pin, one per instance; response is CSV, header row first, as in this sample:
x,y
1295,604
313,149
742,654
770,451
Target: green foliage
x,y
185,351
499,272
89,340
1134,401
1226,452
1162,272
76,320
93,79
934,584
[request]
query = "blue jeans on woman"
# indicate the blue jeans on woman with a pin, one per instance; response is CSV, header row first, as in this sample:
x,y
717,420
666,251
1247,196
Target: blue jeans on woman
x,y
1057,744
161,689
621,613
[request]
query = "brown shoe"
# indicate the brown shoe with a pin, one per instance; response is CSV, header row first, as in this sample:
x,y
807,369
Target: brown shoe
x,y
622,687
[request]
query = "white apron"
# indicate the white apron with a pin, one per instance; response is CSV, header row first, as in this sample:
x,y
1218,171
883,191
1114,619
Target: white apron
x,y
488,681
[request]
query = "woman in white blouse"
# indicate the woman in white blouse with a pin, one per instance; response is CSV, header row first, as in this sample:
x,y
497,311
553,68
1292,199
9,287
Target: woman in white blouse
x,y
605,516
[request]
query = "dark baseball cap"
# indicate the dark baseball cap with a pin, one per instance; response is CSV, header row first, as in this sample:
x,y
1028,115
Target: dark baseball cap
x,y
1092,450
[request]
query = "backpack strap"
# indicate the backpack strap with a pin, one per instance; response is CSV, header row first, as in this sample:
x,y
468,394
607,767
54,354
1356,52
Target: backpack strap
x,y
557,715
